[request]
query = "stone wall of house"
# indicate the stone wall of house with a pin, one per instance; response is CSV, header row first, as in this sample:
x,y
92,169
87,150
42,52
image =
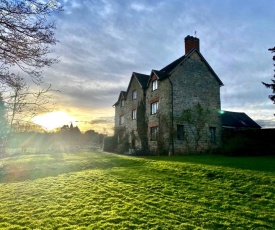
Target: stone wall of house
x,y
163,118
130,105
194,83
119,111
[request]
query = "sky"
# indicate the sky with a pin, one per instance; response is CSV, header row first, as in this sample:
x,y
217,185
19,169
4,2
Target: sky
x,y
101,42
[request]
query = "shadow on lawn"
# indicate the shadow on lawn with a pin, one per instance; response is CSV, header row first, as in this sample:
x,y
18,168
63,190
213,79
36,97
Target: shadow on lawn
x,y
263,164
32,167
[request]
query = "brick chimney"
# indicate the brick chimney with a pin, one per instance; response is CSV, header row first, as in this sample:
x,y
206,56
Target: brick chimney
x,y
191,43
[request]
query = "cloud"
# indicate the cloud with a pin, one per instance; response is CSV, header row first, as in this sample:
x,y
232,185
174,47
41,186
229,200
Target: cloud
x,y
102,120
139,7
102,42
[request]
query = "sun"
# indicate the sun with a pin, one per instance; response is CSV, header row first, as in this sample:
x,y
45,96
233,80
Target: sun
x,y
53,120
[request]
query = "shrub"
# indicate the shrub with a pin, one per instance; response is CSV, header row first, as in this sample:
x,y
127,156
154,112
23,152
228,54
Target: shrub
x,y
110,144
236,146
123,147
248,142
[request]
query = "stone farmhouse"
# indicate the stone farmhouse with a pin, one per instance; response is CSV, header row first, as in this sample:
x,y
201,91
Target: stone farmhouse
x,y
149,114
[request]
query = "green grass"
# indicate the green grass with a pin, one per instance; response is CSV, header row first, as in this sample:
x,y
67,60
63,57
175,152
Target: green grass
x,y
257,163
108,191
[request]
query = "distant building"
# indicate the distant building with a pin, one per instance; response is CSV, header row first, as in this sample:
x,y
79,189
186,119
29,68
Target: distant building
x,y
181,85
237,121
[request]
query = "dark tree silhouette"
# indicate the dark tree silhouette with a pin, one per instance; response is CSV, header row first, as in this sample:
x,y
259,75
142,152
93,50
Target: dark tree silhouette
x,y
142,126
271,85
26,35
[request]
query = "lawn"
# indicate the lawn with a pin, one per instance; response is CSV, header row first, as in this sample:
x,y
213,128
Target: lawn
x,y
92,190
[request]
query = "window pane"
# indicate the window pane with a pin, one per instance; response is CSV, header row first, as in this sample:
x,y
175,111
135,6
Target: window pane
x,y
121,120
154,107
212,134
122,102
155,85
134,114
180,132
134,95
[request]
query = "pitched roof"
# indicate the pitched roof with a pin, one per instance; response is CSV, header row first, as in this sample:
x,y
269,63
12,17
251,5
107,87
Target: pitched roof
x,y
121,95
237,120
142,79
169,68
164,72
160,74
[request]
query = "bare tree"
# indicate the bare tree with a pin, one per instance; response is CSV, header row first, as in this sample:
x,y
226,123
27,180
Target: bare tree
x,y
142,127
23,104
26,35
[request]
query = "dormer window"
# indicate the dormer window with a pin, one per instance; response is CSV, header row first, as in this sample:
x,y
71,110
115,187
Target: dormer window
x,y
154,85
134,95
122,103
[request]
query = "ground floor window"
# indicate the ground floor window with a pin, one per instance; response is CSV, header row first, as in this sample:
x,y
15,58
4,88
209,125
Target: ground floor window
x,y
154,132
180,132
212,131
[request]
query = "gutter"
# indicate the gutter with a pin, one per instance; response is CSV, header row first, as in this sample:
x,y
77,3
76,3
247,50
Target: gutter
x,y
172,149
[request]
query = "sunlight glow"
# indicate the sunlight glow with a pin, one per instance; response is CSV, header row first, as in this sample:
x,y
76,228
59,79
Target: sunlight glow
x,y
53,120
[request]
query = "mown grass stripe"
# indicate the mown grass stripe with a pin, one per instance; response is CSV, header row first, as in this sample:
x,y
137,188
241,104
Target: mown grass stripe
x,y
106,191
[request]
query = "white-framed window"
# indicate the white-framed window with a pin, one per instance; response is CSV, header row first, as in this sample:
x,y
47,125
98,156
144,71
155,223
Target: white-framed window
x,y
154,107
154,133
122,102
154,85
134,95
180,132
134,114
212,131
121,120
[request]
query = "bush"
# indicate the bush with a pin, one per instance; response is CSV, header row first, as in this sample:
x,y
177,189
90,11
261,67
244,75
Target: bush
x,y
110,144
237,146
248,142
123,147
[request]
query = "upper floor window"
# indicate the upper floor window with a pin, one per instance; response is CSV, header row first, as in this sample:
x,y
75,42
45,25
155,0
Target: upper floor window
x,y
154,107
134,114
180,132
212,131
121,120
155,85
122,102
154,133
134,95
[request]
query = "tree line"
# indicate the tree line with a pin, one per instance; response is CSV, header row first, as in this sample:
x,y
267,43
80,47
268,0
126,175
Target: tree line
x,y
64,139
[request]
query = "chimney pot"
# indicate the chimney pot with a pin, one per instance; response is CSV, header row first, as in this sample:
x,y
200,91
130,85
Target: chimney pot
x,y
191,43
